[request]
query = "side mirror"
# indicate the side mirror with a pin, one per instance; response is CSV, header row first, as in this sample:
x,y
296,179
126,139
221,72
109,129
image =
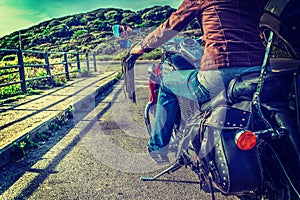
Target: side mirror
x,y
115,29
121,31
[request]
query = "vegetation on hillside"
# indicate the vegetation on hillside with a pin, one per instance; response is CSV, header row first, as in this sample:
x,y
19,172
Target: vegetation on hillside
x,y
84,31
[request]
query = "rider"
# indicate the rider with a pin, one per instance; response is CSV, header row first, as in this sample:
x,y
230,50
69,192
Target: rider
x,y
232,46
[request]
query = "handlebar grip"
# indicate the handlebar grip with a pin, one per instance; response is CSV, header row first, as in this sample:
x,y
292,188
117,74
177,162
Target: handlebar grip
x,y
131,59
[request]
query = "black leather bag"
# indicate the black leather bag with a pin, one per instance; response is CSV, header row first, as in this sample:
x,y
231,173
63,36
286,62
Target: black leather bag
x,y
232,170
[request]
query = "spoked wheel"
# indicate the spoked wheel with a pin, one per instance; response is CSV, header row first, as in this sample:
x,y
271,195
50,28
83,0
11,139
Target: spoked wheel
x,y
276,185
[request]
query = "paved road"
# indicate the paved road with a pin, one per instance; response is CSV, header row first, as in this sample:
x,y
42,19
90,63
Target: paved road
x,y
102,156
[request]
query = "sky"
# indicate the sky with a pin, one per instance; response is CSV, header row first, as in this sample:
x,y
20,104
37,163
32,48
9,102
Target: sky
x,y
21,14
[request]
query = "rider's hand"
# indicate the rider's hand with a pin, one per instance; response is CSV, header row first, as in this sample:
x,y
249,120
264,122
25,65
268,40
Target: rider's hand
x,y
137,50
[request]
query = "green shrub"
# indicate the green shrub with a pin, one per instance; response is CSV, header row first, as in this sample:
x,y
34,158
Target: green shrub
x,y
9,91
9,58
83,21
46,32
153,55
113,16
30,73
80,32
53,23
84,72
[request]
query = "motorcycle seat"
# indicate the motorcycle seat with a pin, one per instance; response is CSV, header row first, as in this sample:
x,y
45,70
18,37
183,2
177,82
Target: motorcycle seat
x,y
241,89
276,86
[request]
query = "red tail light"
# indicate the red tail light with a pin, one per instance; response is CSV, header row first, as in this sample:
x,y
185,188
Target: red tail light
x,y
245,140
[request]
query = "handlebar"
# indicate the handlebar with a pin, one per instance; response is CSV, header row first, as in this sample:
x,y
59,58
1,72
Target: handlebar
x,y
132,58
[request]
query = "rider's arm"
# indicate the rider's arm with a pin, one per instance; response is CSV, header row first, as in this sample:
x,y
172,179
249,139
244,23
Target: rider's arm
x,y
186,12
138,50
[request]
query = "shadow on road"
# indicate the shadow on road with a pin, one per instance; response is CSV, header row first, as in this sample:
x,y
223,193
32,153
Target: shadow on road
x,y
45,108
13,171
177,181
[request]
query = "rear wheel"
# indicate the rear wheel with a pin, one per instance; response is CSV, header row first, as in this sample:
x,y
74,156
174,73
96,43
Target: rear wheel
x,y
275,184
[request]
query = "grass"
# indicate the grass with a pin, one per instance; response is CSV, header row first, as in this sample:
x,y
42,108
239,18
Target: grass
x,y
34,85
153,55
40,80
35,141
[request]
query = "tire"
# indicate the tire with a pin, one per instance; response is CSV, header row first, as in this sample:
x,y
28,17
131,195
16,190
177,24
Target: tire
x,y
275,184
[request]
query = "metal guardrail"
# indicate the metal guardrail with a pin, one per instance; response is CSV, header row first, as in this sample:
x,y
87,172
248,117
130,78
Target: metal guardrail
x,y
47,65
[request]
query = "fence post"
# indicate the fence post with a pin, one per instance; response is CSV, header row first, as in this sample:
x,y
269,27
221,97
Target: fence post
x,y
48,70
78,61
87,61
66,66
22,71
94,58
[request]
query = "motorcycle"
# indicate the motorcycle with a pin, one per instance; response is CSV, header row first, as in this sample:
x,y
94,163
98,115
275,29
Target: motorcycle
x,y
244,142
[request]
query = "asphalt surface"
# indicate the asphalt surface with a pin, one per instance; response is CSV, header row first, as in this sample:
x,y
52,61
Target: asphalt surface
x,y
33,115
100,154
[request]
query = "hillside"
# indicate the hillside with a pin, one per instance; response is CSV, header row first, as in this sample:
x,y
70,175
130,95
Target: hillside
x,y
84,31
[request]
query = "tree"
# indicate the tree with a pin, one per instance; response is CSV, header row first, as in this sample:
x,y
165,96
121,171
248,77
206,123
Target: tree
x,y
54,23
61,31
75,21
100,14
113,16
132,18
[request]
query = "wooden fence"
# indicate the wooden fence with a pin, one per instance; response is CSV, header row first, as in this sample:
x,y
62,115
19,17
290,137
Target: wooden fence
x,y
67,60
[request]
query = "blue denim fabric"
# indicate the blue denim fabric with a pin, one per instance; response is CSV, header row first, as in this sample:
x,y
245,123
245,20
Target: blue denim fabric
x,y
195,85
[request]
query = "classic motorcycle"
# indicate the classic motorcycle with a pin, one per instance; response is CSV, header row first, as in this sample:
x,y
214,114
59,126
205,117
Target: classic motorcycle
x,y
245,141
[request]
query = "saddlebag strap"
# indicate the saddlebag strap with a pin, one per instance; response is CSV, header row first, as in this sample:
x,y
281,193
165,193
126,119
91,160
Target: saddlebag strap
x,y
225,117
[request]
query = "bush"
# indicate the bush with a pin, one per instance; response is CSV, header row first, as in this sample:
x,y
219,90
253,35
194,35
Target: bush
x,y
61,31
54,23
9,58
113,16
79,33
9,91
30,72
131,18
153,55
83,21
72,21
